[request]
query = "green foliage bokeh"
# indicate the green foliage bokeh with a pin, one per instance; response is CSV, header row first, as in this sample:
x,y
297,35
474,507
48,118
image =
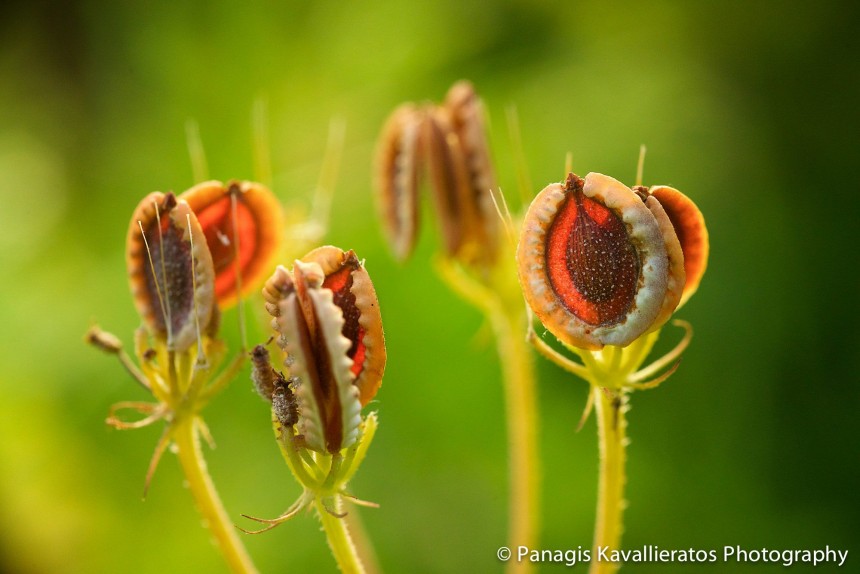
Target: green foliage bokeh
x,y
748,107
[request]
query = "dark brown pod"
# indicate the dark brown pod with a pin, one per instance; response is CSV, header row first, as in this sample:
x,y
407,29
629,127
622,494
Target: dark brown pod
x,y
172,284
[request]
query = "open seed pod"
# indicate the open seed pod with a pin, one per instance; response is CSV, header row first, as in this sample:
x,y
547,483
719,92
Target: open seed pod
x,y
689,226
594,264
354,294
173,283
310,328
253,232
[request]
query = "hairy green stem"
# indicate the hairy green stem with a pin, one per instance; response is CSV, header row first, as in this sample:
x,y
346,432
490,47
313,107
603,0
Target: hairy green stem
x,y
520,402
338,537
187,440
611,429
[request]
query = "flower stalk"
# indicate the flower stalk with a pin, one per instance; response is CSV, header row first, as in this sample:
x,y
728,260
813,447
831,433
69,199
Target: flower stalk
x,y
186,437
339,540
185,258
505,313
447,145
612,441
329,330
604,266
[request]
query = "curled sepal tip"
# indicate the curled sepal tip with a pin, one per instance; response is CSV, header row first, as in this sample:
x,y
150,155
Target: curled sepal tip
x,y
170,270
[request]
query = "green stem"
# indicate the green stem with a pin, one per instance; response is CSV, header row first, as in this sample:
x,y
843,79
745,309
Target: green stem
x,y
338,537
520,402
187,441
611,428
503,306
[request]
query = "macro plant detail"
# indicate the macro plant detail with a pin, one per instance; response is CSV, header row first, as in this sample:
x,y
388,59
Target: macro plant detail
x,y
177,286
447,143
244,228
328,326
447,146
604,266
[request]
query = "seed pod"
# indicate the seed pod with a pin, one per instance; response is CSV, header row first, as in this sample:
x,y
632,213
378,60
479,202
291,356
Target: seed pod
x,y
254,232
689,226
675,275
592,262
107,342
449,181
397,178
310,327
354,293
467,119
173,283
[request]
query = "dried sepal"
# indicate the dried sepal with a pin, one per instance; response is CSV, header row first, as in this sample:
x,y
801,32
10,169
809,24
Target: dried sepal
x,y
170,270
467,119
449,181
398,169
310,326
107,342
592,262
689,225
254,231
353,292
449,143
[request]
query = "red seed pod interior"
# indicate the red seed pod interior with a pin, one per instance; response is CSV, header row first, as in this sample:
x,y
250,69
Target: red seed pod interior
x,y
310,327
172,284
592,262
398,168
353,292
689,225
256,228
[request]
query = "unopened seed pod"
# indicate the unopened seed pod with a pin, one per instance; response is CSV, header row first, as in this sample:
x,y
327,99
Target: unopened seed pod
x,y
449,181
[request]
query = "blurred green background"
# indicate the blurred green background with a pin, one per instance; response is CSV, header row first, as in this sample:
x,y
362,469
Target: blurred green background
x,y
750,108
